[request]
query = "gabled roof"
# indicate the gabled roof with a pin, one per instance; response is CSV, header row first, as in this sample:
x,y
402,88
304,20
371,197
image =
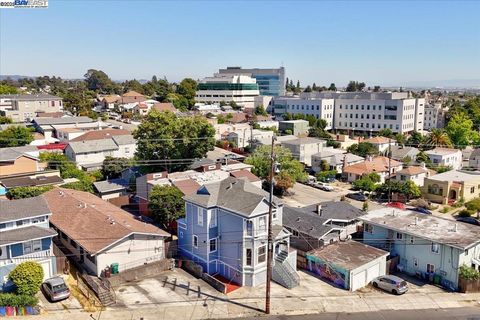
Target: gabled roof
x,y
13,153
442,151
93,223
399,152
379,140
308,221
413,170
124,140
11,210
164,106
101,134
92,146
25,234
232,194
377,164
132,93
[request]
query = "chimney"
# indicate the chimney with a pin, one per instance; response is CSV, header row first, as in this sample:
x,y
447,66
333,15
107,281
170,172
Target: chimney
x,y
455,227
319,209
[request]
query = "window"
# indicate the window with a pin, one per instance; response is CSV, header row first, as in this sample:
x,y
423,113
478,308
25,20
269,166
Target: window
x,y
249,228
39,219
399,236
248,254
295,233
195,241
472,190
412,239
213,245
415,262
32,246
262,224
430,268
262,254
200,217
435,247
213,219
73,243
368,228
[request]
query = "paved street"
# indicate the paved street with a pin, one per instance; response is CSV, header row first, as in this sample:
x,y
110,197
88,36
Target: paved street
x,y
472,313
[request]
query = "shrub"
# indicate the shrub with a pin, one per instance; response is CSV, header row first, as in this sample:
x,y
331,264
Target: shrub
x,y
469,273
446,209
465,213
27,277
13,300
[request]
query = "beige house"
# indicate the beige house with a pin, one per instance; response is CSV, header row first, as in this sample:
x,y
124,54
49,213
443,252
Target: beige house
x,y
451,186
417,174
380,165
18,160
25,107
100,234
304,148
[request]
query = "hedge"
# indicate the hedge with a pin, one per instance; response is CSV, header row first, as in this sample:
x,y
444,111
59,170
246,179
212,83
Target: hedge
x,y
20,300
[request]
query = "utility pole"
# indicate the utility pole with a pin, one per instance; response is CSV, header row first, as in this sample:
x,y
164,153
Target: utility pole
x,y
270,233
389,163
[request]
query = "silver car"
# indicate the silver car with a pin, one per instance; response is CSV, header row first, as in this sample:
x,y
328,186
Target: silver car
x,y
391,284
55,289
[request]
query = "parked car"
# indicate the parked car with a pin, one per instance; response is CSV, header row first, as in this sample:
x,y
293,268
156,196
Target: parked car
x,y
323,186
391,284
421,210
398,205
55,289
357,196
469,220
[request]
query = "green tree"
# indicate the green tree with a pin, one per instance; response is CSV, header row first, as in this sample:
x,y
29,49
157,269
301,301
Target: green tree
x,y
332,87
376,89
15,136
367,183
27,277
187,89
166,204
308,89
27,192
112,167
354,86
438,138
387,133
474,205
8,89
260,111
410,190
422,157
133,85
5,120
416,139
365,206
363,149
98,81
260,160
460,130
400,138
163,137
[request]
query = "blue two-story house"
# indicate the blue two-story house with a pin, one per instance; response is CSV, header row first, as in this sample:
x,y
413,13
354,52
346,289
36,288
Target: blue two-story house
x,y
225,232
25,235
429,247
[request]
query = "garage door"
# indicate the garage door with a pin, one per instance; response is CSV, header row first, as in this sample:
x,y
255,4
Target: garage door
x,y
358,280
47,270
373,272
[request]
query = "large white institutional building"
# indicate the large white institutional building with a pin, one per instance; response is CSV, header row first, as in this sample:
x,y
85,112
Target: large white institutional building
x,y
360,111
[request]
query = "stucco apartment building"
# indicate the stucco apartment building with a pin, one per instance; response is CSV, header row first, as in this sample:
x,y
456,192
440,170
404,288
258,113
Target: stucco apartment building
x,y
428,246
452,186
25,107
445,157
100,234
304,148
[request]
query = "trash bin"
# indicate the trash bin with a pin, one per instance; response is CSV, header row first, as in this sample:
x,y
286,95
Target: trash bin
x,y
114,268
437,279
107,272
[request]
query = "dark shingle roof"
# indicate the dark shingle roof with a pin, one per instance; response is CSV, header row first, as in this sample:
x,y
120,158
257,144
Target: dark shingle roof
x,y
307,220
30,181
25,234
232,194
11,210
65,120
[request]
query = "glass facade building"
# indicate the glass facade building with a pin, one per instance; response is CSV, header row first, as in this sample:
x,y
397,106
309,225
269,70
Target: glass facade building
x,y
271,82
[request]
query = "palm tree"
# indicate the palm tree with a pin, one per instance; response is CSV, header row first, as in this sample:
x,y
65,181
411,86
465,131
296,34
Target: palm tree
x,y
438,138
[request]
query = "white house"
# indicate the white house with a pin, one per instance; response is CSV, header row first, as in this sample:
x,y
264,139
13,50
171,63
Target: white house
x,y
414,173
446,157
100,234
474,161
89,154
304,148
335,158
381,143
243,138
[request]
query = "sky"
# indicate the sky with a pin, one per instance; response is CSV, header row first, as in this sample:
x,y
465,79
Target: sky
x,y
378,42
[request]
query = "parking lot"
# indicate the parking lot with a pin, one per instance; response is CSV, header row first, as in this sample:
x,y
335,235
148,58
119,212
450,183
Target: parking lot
x,y
304,195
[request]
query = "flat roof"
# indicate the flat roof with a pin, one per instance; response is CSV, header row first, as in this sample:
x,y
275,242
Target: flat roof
x,y
349,255
456,175
429,227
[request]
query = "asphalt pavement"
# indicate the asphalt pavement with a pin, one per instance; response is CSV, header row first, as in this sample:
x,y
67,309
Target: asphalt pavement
x,y
471,313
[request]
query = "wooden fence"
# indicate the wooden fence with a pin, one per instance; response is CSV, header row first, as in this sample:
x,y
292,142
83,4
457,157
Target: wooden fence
x,y
467,286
